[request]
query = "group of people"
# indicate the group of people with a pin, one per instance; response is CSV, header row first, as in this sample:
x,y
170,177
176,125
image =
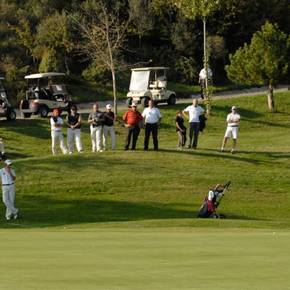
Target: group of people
x,y
102,126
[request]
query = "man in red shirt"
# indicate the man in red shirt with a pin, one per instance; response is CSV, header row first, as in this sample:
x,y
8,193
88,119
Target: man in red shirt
x,y
132,119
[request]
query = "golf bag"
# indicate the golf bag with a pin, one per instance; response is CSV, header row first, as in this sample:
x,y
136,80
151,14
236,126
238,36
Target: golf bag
x,y
212,201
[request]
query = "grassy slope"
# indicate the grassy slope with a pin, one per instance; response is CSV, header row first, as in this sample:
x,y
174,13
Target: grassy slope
x,y
167,186
125,220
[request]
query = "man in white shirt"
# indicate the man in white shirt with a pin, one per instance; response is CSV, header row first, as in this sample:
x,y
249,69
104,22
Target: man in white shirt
x,y
152,118
233,121
8,178
192,113
202,78
56,123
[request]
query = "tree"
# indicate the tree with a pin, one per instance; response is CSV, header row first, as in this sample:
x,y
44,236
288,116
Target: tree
x,y
203,9
263,61
103,33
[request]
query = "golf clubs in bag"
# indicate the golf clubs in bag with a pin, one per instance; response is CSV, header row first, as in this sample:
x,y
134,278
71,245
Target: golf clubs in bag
x,y
212,201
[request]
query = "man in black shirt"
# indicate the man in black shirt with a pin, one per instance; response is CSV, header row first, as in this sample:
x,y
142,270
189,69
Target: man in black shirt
x,y
74,123
108,128
180,129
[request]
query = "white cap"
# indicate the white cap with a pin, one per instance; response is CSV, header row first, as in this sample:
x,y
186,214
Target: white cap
x,y
8,162
134,105
234,107
108,107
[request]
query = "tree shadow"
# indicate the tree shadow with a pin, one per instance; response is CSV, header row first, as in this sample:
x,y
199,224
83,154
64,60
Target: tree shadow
x,y
33,128
245,113
47,211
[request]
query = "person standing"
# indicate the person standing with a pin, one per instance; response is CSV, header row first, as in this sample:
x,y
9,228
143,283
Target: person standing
x,y
233,121
152,118
202,79
8,178
2,149
74,123
180,129
109,119
96,121
192,113
132,119
56,123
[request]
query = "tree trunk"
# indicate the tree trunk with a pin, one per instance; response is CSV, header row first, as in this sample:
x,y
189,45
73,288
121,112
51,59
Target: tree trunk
x,y
271,104
114,91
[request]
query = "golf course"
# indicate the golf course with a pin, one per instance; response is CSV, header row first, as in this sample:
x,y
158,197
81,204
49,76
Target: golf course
x,y
126,220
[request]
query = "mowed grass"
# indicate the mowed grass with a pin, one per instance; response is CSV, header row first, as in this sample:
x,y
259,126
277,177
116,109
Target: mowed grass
x,y
127,220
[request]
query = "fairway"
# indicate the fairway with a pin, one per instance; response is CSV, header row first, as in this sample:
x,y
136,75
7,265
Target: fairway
x,y
144,259
127,220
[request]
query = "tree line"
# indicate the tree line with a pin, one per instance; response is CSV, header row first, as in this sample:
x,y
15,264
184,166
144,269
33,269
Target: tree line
x,y
65,36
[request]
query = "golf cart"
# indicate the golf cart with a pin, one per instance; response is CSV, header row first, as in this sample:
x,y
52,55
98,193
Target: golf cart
x,y
149,83
45,92
6,109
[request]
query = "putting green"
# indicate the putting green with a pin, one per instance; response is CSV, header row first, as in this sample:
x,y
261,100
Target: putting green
x,y
156,258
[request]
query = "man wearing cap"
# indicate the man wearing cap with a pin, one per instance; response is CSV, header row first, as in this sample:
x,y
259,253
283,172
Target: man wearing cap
x,y
192,113
108,128
96,121
56,123
233,121
8,178
74,123
152,118
132,119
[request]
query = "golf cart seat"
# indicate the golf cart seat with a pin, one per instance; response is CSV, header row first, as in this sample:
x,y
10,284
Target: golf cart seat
x,y
153,85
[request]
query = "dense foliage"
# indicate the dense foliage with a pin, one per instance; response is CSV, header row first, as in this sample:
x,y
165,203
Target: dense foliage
x,y
42,35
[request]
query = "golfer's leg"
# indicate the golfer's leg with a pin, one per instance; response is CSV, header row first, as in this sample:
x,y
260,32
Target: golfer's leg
x,y
6,201
128,138
70,139
147,135
62,144
105,136
78,140
12,199
179,138
93,139
53,142
136,132
99,136
155,136
191,129
196,132
183,138
113,137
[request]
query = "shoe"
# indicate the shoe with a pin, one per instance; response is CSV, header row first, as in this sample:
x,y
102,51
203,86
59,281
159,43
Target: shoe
x,y
100,150
125,149
15,216
233,151
222,150
188,147
70,153
8,218
81,151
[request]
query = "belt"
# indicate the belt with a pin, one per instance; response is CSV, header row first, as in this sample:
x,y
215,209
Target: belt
x,y
8,184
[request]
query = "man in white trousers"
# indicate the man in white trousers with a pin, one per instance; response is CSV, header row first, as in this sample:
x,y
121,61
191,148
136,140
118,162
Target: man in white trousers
x,y
96,120
8,178
2,149
56,123
108,128
74,123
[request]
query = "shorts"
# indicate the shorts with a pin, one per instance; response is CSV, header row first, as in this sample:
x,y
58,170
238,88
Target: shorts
x,y
232,132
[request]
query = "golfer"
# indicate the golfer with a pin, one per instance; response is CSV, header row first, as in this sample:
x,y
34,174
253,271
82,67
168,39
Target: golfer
x,y
56,123
8,178
192,113
233,121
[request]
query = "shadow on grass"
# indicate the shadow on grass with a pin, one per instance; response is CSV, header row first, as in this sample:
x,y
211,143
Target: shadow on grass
x,y
45,211
28,127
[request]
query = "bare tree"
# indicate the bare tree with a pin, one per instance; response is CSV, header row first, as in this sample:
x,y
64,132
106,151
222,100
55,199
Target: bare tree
x,y
103,34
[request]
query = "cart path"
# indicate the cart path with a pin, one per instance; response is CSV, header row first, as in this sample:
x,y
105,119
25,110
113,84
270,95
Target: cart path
x,y
86,107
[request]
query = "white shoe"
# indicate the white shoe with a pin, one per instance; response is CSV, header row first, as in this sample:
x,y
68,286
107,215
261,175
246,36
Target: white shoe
x,y
8,218
15,216
100,150
70,153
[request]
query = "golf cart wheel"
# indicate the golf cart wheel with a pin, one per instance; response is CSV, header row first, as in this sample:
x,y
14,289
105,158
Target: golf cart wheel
x,y
43,111
11,115
26,115
129,102
171,100
144,102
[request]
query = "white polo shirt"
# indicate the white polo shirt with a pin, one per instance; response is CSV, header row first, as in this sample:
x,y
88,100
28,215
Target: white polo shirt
x,y
194,113
6,178
233,118
53,123
202,74
151,115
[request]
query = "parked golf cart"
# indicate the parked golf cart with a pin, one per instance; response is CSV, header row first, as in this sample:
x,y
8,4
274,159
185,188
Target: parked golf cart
x,y
149,83
45,92
6,109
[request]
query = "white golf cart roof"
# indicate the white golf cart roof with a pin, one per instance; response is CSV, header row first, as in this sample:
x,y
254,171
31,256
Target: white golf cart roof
x,y
1,78
44,75
150,68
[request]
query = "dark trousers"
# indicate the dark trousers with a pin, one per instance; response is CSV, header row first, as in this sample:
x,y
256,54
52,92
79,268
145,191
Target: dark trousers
x,y
148,129
193,134
132,131
181,138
